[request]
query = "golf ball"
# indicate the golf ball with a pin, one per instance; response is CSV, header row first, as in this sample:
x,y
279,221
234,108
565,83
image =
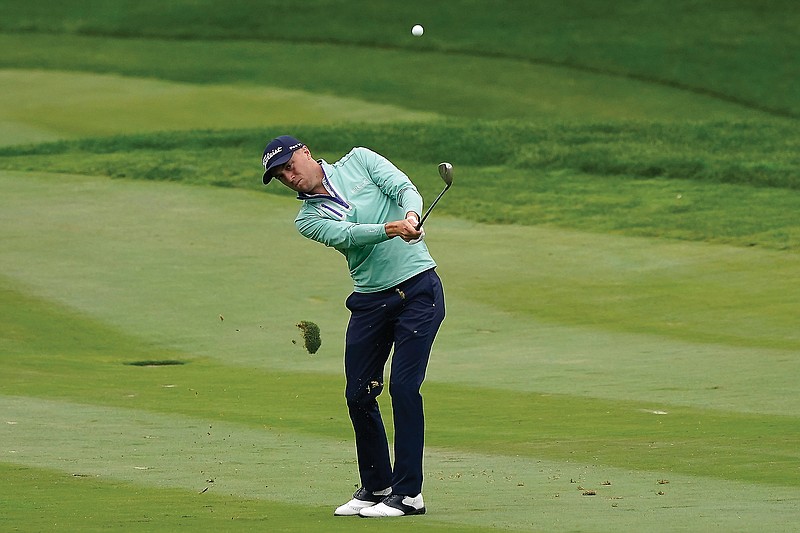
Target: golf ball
x,y
417,30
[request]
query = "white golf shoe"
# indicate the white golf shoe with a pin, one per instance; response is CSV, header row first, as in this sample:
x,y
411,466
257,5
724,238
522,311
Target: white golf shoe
x,y
361,500
395,505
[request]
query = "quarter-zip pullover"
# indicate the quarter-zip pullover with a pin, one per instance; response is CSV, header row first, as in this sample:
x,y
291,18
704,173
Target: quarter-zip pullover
x,y
366,191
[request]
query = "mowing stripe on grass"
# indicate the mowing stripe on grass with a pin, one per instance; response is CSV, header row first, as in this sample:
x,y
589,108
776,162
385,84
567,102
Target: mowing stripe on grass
x,y
105,104
639,435
172,451
78,359
51,352
580,314
44,500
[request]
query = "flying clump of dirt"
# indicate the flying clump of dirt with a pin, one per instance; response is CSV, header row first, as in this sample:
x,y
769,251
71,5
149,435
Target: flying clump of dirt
x,y
311,337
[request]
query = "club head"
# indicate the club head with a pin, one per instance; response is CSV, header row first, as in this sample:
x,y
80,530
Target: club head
x,y
446,172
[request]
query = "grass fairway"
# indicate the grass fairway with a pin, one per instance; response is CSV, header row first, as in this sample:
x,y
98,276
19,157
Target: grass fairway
x,y
93,104
619,254
667,427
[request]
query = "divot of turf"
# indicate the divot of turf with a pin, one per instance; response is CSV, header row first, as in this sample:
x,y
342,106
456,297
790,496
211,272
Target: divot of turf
x,y
311,337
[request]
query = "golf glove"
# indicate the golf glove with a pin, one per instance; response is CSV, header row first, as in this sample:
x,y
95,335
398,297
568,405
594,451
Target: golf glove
x,y
415,241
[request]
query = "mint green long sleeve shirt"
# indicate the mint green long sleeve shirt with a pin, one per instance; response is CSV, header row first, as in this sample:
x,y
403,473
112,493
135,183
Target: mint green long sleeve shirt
x,y
366,191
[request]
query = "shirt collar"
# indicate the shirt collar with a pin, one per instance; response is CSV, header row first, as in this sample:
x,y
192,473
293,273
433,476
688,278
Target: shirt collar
x,y
325,181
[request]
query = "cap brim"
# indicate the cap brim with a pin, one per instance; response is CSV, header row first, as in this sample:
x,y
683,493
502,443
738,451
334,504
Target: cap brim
x,y
267,177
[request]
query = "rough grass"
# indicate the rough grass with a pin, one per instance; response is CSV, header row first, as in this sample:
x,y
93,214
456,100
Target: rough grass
x,y
761,154
655,180
740,51
431,82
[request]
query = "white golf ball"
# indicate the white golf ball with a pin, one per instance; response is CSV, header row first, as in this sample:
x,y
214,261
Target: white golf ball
x,y
417,30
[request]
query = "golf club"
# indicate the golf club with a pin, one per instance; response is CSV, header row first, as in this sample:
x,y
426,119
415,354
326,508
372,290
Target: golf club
x,y
446,172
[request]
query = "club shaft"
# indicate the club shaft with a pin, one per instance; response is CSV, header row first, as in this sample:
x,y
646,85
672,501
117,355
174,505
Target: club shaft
x,y
428,212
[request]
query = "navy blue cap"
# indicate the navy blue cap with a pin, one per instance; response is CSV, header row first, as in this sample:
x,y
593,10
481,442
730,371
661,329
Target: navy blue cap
x,y
278,152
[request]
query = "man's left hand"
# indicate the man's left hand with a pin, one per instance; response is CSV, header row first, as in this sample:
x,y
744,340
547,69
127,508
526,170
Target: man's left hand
x,y
406,229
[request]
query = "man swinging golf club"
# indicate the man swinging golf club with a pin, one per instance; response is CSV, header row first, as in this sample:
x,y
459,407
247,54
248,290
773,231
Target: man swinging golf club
x,y
367,209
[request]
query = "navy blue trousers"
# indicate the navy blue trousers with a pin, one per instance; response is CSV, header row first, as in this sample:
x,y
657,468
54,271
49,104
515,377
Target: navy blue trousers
x,y
406,317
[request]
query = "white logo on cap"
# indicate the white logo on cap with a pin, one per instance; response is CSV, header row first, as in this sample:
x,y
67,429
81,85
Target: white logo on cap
x,y
270,155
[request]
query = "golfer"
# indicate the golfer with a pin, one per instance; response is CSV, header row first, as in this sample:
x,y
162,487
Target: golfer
x,y
367,209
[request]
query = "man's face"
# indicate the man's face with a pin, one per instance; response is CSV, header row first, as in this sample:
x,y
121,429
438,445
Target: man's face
x,y
300,173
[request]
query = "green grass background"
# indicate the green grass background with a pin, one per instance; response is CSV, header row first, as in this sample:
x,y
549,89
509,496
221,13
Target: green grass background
x,y
619,255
